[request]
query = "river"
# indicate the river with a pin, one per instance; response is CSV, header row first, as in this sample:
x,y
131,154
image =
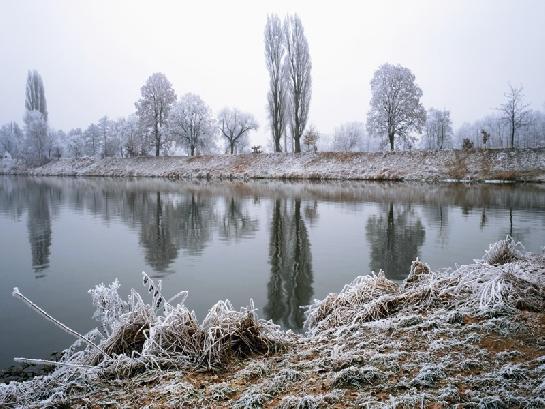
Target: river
x,y
282,244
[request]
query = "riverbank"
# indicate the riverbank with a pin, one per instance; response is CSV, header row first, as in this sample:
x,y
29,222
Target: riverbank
x,y
526,165
472,336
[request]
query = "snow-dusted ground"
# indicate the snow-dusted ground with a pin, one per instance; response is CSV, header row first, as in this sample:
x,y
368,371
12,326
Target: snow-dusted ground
x,y
489,165
472,336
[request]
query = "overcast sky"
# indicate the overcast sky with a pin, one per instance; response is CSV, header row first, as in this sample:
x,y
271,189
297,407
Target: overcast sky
x,y
95,55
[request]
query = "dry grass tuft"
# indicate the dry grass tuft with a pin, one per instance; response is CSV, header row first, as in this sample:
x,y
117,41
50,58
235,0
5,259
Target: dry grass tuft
x,y
231,334
417,272
336,308
503,251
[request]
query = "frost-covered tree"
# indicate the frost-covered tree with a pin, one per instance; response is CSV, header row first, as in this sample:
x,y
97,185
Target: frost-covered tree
x,y
35,94
275,52
533,134
299,82
438,131
154,106
37,141
75,143
58,141
192,125
396,110
310,139
514,111
11,139
529,135
348,137
133,137
104,126
91,137
235,126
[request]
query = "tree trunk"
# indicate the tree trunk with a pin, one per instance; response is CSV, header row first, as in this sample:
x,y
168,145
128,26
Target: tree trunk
x,y
391,138
512,136
297,145
277,145
192,150
157,140
232,146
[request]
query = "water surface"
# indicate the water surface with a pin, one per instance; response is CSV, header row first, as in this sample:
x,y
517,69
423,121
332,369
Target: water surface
x,y
282,244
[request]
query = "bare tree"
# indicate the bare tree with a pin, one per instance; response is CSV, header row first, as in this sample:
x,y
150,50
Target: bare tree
x,y
35,95
298,67
514,111
276,97
395,104
154,106
234,126
310,139
192,124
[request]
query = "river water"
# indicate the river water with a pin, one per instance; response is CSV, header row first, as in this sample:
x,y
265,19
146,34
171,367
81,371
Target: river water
x,y
281,244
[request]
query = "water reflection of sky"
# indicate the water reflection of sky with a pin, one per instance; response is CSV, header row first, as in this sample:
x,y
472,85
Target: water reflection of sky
x,y
282,244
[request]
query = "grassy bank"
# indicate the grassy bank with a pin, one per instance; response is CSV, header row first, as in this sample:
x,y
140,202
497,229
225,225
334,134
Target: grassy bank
x,y
472,336
480,165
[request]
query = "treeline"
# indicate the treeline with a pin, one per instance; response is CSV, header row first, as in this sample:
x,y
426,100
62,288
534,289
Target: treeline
x,y
161,125
165,124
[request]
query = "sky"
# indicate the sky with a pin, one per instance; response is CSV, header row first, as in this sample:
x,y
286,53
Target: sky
x,y
94,56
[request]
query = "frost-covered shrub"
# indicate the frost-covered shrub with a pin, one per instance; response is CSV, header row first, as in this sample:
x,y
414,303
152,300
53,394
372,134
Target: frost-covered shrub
x,y
139,336
254,370
237,334
492,402
301,402
514,372
336,309
221,391
455,317
281,381
410,321
357,377
450,394
507,289
417,272
251,399
310,401
428,376
503,251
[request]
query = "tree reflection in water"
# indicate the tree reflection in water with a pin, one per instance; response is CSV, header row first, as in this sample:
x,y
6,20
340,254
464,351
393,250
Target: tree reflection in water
x,y
39,227
156,235
290,284
235,222
394,237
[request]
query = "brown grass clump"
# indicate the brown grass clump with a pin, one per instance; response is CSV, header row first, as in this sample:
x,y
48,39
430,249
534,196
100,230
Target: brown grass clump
x,y
336,308
177,335
127,339
503,251
417,272
231,334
